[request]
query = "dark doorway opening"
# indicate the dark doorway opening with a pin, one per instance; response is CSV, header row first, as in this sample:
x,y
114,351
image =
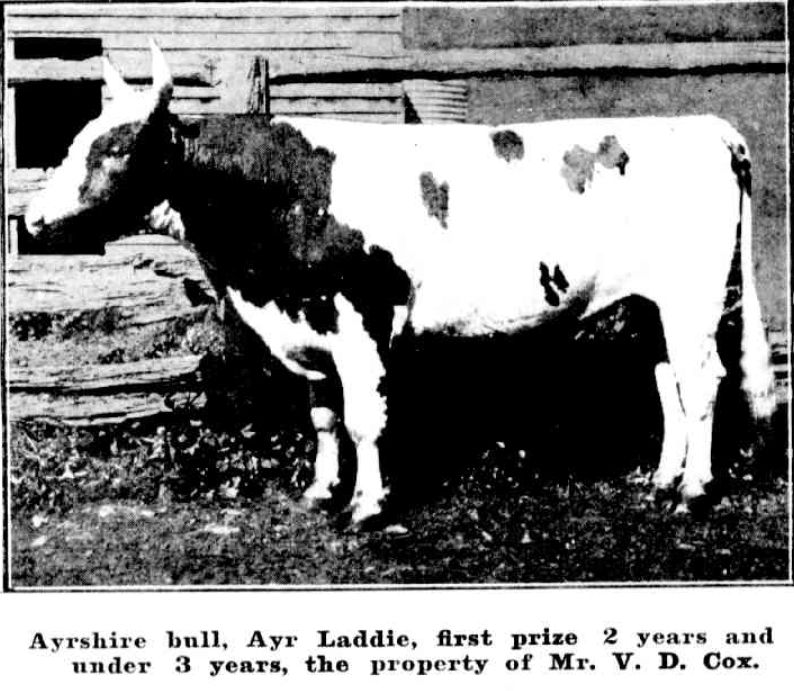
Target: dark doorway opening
x,y
48,116
38,47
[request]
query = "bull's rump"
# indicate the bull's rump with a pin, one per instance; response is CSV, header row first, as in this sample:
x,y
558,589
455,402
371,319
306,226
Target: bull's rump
x,y
670,215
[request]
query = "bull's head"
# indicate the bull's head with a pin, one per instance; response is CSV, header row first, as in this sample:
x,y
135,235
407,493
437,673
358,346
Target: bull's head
x,y
111,173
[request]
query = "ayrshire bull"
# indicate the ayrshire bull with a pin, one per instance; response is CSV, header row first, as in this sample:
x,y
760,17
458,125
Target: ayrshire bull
x,y
332,239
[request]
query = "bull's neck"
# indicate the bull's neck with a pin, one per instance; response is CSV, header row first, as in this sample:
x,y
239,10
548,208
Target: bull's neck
x,y
229,220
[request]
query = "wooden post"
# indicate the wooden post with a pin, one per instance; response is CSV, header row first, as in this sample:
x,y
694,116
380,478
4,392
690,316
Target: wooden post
x,y
266,87
10,148
256,86
12,239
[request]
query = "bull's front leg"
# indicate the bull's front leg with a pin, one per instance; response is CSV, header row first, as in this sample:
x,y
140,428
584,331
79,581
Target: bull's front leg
x,y
361,372
325,421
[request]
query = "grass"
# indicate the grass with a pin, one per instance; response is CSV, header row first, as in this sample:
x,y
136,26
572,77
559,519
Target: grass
x,y
191,505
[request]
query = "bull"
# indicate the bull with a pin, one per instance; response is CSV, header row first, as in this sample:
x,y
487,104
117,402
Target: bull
x,y
333,239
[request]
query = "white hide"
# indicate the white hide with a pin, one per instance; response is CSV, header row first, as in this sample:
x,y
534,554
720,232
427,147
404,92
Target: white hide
x,y
326,462
358,364
164,219
671,462
281,334
673,213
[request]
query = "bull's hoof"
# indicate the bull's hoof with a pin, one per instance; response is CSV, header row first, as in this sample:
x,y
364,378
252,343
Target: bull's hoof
x,y
664,498
315,504
320,497
664,481
697,506
360,518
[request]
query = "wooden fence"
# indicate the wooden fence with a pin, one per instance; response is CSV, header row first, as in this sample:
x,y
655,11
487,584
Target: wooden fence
x,y
137,287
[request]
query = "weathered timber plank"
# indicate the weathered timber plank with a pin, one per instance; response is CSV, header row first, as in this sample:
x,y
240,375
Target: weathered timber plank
x,y
667,56
141,284
22,184
24,176
149,375
227,10
200,68
202,94
188,107
262,42
386,118
336,105
336,90
132,298
152,25
448,88
440,99
197,107
89,410
17,202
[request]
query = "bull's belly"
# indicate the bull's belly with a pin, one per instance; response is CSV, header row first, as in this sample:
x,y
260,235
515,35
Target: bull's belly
x,y
503,306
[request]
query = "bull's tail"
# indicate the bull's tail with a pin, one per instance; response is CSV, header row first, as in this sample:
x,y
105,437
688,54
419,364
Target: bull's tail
x,y
758,377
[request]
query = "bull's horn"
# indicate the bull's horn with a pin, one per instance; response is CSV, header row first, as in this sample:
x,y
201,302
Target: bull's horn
x,y
118,88
162,84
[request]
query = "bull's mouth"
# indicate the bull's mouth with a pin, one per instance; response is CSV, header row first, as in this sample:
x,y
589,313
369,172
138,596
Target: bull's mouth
x,y
44,231
85,232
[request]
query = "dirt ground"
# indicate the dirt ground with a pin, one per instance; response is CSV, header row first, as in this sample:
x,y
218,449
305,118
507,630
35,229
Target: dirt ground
x,y
485,527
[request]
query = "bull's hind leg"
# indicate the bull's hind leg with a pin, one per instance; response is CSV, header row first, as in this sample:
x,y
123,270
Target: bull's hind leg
x,y
671,462
696,367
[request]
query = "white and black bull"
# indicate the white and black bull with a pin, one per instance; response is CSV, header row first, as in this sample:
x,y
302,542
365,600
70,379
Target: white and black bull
x,y
331,239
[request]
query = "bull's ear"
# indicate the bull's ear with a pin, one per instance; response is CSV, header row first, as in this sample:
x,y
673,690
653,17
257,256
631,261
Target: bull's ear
x,y
118,88
162,83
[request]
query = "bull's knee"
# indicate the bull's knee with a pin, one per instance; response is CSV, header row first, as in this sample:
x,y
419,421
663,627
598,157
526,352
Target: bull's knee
x,y
323,419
